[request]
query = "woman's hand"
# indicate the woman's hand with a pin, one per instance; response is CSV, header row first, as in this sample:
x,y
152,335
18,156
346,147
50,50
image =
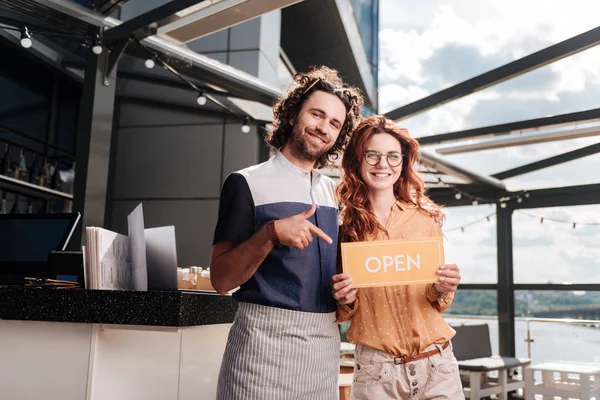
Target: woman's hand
x,y
342,290
449,278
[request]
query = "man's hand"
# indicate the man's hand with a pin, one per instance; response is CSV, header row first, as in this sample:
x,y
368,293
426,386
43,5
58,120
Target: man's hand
x,y
296,231
449,278
341,289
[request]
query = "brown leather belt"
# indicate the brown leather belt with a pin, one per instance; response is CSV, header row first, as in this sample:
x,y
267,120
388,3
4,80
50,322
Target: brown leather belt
x,y
407,359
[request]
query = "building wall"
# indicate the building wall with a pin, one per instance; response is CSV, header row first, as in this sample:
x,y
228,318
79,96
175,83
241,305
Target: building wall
x,y
172,157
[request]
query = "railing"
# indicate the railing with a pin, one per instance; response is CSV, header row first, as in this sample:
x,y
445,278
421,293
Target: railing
x,y
571,321
555,339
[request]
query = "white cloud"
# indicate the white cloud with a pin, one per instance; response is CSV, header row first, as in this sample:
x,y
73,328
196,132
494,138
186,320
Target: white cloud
x,y
406,94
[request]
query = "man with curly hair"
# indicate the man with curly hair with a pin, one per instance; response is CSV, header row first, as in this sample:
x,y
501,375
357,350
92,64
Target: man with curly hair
x,y
276,238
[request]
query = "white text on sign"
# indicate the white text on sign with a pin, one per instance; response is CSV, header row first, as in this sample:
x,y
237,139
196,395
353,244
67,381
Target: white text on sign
x,y
374,264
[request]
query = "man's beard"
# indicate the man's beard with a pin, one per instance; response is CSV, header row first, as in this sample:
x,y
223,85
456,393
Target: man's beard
x,y
301,149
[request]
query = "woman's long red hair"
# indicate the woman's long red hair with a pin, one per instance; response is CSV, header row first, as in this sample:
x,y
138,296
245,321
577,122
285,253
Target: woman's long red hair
x,y
358,221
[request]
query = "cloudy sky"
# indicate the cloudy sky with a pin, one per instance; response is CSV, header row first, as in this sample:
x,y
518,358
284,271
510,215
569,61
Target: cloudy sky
x,y
427,46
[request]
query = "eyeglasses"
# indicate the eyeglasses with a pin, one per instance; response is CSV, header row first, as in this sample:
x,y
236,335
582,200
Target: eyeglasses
x,y
393,158
329,87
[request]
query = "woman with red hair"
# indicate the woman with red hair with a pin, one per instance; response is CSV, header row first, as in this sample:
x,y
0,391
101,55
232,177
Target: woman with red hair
x,y
403,346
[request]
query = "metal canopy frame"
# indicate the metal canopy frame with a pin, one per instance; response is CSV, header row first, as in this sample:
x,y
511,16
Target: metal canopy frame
x,y
513,69
554,121
549,162
450,168
146,24
513,141
236,82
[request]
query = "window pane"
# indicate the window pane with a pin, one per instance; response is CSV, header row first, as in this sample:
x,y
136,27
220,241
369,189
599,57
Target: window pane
x,y
553,339
471,242
558,340
548,250
474,303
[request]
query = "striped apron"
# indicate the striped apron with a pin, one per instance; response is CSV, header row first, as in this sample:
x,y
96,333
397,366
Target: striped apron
x,y
279,354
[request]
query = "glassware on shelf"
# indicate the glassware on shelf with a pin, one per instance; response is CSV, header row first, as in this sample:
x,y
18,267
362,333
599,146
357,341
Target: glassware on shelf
x,y
193,274
7,166
21,171
46,174
55,182
186,274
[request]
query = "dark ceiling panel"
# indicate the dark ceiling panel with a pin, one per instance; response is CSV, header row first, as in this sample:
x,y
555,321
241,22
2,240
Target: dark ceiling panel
x,y
44,17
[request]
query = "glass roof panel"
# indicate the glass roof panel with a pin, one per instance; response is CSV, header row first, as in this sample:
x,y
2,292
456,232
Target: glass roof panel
x,y
553,251
429,46
470,242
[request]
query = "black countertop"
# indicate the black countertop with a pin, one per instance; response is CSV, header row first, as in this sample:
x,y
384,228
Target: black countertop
x,y
159,308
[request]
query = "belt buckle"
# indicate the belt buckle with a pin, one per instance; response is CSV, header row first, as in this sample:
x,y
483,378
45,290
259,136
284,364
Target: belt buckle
x,y
398,360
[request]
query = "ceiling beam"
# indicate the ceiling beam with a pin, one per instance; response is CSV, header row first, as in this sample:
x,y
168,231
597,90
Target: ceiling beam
x,y
554,121
447,167
210,71
518,67
145,25
549,162
522,140
561,197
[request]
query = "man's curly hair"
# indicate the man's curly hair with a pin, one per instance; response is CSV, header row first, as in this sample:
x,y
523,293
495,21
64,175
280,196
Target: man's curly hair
x,y
289,105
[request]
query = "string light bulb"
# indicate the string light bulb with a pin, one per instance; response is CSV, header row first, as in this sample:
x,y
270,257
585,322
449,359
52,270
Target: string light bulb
x,y
97,50
201,100
503,205
97,47
457,195
149,63
26,41
246,125
542,220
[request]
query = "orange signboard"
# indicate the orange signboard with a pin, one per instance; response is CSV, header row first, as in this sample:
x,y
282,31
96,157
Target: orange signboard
x,y
393,262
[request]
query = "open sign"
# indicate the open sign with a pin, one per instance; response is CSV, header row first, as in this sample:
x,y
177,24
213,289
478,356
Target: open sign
x,y
393,262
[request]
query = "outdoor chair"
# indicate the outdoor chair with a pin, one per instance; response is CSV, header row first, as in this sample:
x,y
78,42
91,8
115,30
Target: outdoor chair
x,y
478,367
